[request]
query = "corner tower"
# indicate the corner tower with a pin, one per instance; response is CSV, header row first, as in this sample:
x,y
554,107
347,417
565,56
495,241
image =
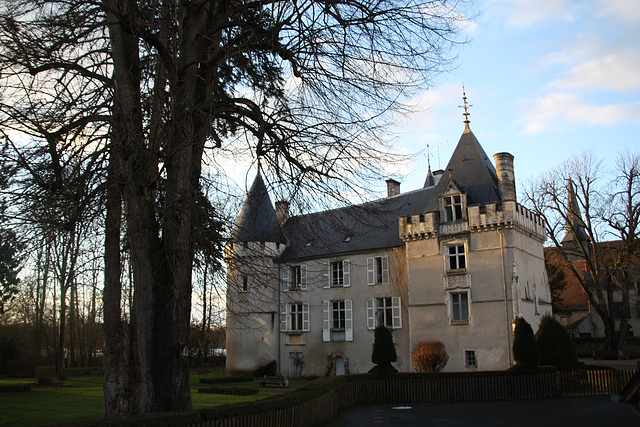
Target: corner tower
x,y
252,282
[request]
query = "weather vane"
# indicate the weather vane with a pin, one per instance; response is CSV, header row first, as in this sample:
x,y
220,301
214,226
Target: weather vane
x,y
466,107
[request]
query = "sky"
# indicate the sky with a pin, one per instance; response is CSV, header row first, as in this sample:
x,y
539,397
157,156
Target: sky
x,y
546,79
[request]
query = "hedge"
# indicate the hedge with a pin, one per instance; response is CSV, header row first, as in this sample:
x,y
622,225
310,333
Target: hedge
x,y
226,380
235,391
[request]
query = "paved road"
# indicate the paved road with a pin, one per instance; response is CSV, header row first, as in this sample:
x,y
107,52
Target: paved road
x,y
583,411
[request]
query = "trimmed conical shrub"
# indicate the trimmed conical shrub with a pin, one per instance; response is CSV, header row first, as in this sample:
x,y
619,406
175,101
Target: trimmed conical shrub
x,y
525,349
384,351
556,345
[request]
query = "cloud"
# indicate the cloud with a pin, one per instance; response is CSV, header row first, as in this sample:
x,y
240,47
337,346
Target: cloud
x,y
620,10
617,71
559,110
525,13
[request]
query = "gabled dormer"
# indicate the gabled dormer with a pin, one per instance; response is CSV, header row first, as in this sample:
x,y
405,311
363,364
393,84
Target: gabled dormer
x,y
453,203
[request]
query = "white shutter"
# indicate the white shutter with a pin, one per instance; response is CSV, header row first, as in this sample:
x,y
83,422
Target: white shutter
x,y
385,269
371,313
348,320
283,318
303,277
327,275
285,277
396,312
371,271
305,317
347,276
326,321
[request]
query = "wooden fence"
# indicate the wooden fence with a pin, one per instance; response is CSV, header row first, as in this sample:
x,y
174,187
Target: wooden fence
x,y
594,382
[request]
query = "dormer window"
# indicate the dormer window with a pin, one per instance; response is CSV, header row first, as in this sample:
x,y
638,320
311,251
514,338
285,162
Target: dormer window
x,y
453,208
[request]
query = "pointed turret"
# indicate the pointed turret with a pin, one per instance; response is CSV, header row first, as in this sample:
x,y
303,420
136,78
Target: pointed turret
x,y
575,232
257,221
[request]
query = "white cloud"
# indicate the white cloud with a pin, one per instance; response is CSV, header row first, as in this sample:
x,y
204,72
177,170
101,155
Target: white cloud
x,y
560,110
620,10
525,13
618,71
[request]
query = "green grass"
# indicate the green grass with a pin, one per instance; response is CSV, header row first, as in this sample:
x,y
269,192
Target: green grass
x,y
79,398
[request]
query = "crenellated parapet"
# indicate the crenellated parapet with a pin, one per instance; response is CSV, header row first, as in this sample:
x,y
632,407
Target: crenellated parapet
x,y
419,226
510,215
489,217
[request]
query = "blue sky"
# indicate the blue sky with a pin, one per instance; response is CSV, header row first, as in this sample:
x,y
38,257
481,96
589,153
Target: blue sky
x,y
547,79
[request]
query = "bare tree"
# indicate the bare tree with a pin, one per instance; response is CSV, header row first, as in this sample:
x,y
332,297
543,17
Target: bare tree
x,y
153,85
592,221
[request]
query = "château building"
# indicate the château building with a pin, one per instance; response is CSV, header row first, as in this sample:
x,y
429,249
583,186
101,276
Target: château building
x,y
456,260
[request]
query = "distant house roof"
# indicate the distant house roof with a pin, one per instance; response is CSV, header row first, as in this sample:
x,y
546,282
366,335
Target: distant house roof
x,y
257,221
374,225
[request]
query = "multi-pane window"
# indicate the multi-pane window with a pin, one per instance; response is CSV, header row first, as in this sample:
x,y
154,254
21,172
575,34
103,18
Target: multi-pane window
x,y
338,314
337,274
453,208
459,307
378,270
294,277
384,311
456,256
337,320
470,360
295,317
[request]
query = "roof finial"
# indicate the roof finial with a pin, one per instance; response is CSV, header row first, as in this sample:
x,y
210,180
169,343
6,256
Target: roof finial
x,y
428,158
466,107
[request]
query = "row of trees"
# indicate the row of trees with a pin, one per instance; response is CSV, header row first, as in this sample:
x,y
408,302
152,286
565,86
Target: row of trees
x,y
125,101
592,215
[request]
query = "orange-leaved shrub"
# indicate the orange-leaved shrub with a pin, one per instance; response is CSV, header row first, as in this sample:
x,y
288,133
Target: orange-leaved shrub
x,y
429,356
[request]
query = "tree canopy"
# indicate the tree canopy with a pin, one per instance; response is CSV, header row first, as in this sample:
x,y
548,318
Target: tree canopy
x,y
147,93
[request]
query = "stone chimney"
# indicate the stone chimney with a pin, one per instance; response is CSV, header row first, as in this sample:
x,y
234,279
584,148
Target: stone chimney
x,y
506,175
282,212
393,188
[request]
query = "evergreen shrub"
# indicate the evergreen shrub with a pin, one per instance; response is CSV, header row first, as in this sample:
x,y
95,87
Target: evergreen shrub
x,y
525,349
556,345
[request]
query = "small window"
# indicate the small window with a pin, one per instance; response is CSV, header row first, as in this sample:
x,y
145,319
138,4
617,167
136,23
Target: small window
x,y
453,208
347,239
245,284
459,307
309,243
456,257
297,277
470,360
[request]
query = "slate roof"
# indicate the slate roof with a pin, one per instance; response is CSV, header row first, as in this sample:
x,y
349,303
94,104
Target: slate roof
x,y
369,226
374,225
257,221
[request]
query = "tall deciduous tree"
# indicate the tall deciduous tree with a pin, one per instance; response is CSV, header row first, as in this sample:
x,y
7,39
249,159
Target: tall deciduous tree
x,y
593,221
154,84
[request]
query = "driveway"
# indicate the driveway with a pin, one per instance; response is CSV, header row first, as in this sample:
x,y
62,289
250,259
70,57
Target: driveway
x,y
579,411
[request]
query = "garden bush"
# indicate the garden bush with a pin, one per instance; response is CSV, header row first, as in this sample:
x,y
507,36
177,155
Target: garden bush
x,y
525,349
429,356
384,351
270,369
556,345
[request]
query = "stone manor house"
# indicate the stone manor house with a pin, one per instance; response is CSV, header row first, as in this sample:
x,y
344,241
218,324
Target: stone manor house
x,y
456,260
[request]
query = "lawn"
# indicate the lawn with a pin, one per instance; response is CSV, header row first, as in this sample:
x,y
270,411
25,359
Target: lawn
x,y
79,398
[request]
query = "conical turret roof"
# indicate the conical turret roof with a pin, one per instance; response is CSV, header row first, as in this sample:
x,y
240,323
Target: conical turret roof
x,y
575,231
257,221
